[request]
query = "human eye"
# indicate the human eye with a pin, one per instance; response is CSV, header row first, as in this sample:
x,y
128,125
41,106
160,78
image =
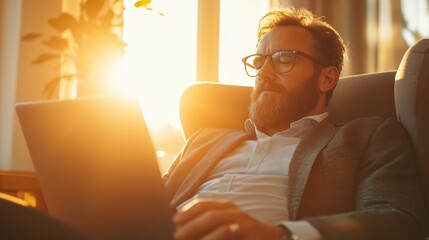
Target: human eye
x,y
283,58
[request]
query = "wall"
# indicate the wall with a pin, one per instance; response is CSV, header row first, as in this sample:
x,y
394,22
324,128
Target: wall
x,y
20,81
9,47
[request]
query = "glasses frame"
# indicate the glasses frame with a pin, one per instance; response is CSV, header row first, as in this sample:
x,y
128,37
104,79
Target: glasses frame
x,y
294,52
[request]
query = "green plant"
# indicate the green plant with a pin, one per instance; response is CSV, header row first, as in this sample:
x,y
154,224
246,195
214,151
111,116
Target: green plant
x,y
88,44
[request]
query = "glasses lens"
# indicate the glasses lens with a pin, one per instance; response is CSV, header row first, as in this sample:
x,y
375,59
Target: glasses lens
x,y
283,61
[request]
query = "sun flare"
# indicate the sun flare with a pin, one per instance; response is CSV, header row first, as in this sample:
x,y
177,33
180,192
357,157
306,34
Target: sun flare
x,y
160,57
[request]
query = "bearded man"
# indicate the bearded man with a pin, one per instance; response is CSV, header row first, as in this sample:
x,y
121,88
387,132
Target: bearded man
x,y
296,172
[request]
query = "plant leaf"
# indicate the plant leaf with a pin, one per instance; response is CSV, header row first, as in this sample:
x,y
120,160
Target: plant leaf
x,y
92,8
106,19
51,86
45,57
30,36
79,31
63,22
55,82
57,43
142,3
69,76
151,9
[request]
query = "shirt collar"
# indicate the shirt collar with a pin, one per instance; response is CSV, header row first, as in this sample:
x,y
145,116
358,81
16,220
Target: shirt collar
x,y
298,125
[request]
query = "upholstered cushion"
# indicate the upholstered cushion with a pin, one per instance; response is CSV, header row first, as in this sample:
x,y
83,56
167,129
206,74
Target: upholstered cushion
x,y
213,105
412,103
363,95
226,106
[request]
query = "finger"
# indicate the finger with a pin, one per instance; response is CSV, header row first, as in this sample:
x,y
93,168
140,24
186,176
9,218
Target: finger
x,y
206,223
196,208
230,231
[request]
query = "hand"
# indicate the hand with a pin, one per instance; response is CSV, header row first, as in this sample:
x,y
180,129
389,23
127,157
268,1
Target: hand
x,y
206,219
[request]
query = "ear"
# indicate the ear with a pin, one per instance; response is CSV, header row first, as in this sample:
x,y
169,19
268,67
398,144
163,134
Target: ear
x,y
328,78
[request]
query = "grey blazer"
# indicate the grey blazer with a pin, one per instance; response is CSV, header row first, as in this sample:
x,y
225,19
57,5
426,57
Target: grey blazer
x,y
356,180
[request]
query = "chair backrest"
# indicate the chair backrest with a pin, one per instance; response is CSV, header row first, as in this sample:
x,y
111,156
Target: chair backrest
x,y
412,104
215,105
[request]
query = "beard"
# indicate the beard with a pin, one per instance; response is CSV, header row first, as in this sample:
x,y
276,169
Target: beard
x,y
276,111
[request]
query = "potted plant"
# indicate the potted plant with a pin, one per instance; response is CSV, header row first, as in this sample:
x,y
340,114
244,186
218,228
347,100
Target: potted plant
x,y
88,44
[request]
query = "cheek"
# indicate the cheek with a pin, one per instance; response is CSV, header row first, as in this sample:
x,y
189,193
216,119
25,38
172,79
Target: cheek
x,y
296,81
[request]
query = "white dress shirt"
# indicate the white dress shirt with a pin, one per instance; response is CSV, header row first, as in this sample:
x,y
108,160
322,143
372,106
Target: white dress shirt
x,y
254,176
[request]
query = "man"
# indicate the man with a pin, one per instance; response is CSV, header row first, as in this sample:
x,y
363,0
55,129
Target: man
x,y
296,173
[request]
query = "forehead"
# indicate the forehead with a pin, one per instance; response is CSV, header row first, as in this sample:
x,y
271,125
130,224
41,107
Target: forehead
x,y
286,37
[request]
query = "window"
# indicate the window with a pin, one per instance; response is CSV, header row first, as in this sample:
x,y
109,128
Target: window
x,y
159,63
416,18
161,59
238,36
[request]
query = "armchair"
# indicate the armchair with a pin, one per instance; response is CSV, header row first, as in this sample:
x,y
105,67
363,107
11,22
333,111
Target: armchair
x,y
212,105
403,94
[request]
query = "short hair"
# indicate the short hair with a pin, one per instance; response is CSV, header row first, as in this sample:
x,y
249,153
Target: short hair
x,y
328,44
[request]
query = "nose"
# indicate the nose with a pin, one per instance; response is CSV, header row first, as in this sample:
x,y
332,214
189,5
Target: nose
x,y
266,72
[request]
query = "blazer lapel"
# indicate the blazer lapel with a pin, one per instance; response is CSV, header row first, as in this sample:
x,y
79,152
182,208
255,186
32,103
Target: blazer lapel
x,y
303,159
203,168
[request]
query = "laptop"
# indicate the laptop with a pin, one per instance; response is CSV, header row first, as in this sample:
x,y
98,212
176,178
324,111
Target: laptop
x,y
97,167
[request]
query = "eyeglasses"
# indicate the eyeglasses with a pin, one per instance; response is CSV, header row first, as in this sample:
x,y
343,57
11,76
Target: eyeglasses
x,y
282,61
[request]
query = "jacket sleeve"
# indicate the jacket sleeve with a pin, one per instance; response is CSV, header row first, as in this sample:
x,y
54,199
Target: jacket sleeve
x,y
389,200
193,151
172,167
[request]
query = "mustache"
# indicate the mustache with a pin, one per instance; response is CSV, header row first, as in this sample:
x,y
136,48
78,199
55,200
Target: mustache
x,y
269,86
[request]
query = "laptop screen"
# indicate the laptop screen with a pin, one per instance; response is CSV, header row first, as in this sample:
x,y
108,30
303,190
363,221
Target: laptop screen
x,y
97,167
